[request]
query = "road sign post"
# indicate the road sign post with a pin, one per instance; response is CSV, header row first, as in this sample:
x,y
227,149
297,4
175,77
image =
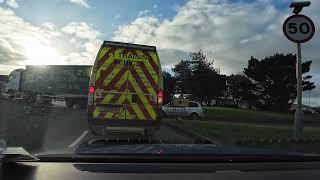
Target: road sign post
x,y
298,121
299,29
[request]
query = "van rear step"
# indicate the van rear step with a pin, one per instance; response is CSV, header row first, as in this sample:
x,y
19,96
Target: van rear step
x,y
125,141
142,140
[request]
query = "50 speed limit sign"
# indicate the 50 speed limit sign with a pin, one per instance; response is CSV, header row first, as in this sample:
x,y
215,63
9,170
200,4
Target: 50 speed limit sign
x,y
298,28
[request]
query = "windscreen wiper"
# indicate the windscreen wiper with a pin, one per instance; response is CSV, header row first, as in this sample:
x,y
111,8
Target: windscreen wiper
x,y
16,154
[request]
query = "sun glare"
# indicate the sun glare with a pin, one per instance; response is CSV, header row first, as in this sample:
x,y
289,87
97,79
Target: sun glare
x,y
38,54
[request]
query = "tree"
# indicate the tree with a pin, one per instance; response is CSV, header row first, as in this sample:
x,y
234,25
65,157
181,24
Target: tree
x,y
198,77
169,86
275,80
183,76
207,83
240,87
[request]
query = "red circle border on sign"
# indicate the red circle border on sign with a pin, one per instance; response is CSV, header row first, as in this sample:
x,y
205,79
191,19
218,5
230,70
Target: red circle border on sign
x,y
298,41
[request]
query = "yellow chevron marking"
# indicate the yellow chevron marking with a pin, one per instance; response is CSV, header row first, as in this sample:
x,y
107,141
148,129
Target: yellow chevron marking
x,y
143,98
138,111
110,77
122,80
153,74
103,52
96,112
145,80
108,62
108,115
154,57
107,98
122,98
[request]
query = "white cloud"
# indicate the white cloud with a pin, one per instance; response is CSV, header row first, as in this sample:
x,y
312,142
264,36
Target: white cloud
x,y
80,30
141,30
224,30
23,43
143,13
228,32
12,3
83,3
155,6
1,1
49,26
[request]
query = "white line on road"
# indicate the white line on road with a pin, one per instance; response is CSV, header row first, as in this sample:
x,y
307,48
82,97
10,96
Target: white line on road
x,y
78,139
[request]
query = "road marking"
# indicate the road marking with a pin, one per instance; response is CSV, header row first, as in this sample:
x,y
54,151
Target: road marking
x,y
78,139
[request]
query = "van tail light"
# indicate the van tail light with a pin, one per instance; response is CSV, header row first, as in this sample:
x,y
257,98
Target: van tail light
x,y
160,97
90,98
91,89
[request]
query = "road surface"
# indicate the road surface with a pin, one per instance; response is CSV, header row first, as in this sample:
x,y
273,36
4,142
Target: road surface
x,y
43,128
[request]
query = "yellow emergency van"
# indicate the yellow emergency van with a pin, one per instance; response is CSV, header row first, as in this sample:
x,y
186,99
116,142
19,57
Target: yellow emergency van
x,y
126,88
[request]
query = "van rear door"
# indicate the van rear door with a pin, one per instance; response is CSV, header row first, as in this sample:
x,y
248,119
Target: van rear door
x,y
143,85
126,82
111,85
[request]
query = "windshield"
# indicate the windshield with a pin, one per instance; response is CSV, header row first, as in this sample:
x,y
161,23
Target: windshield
x,y
157,77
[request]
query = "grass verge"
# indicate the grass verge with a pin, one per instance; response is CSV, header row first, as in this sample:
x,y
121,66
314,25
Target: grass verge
x,y
251,116
230,133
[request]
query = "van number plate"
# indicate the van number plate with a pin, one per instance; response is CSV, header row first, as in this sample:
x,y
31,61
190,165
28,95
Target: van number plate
x,y
110,109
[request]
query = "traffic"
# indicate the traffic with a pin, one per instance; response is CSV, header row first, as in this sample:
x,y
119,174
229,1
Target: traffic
x,y
151,89
127,91
119,97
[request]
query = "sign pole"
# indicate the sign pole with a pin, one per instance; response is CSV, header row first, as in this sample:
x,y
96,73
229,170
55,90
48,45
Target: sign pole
x,y
298,123
299,29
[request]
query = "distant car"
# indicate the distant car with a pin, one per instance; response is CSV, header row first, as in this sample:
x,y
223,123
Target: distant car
x,y
306,109
192,111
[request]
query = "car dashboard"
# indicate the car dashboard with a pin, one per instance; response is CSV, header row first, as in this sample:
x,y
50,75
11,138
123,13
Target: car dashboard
x,y
159,171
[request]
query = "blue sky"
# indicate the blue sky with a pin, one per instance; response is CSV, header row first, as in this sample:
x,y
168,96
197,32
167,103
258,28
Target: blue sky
x,y
103,15
100,14
228,31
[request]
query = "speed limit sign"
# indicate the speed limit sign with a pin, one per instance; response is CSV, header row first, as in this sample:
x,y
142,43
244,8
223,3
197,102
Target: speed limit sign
x,y
298,28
